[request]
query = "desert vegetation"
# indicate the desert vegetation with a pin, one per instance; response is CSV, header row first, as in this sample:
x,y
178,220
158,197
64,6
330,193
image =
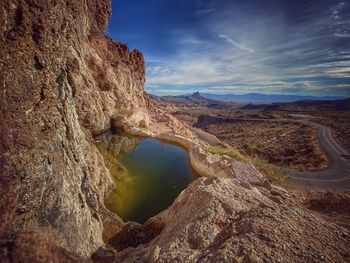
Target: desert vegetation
x,y
285,144
271,171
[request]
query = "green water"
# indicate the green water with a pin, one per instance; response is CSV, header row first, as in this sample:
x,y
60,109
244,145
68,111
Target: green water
x,y
149,175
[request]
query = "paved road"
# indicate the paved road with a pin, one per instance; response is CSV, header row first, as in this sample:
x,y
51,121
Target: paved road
x,y
336,176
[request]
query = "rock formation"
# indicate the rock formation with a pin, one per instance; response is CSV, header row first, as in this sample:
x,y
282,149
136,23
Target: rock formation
x,y
63,81
215,220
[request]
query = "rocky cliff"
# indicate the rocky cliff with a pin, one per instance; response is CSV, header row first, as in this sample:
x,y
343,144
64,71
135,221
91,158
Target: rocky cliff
x,y
63,81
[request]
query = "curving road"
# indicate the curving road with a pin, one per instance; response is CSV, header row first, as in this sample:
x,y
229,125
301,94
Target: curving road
x,y
336,176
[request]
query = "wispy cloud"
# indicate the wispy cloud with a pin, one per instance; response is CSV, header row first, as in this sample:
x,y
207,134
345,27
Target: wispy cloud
x,y
274,53
235,44
341,35
205,11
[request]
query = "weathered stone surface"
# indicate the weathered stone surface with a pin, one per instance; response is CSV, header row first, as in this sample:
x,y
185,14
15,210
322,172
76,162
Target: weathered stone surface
x,y
214,220
62,80
34,247
108,81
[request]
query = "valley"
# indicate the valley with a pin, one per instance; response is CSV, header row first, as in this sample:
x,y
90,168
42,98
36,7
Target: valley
x,y
291,136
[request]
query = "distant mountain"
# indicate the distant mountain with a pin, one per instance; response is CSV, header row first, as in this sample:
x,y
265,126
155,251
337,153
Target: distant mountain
x,y
195,99
258,98
196,95
321,105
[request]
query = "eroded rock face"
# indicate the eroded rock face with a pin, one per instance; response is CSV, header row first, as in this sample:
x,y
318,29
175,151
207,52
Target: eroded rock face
x,y
214,220
61,81
115,79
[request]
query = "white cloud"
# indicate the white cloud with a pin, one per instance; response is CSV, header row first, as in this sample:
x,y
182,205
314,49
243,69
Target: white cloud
x,y
190,41
267,60
341,35
343,72
234,43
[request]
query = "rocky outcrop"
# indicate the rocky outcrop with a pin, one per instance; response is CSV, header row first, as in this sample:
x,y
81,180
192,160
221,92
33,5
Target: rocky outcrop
x,y
115,79
62,80
214,220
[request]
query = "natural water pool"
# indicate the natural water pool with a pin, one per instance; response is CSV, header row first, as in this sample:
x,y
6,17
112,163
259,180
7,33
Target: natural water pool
x,y
149,174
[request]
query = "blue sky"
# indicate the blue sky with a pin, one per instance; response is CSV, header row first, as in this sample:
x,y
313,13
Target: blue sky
x,y
239,46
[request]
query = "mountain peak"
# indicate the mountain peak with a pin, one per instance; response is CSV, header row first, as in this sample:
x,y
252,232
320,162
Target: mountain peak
x,y
196,95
